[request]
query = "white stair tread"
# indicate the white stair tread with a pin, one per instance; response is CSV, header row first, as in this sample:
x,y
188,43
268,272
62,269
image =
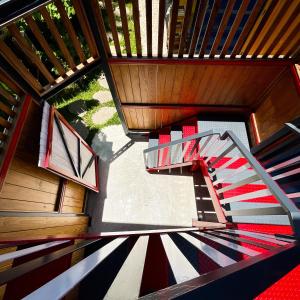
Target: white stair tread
x,y
231,245
152,159
181,267
58,287
217,256
237,127
127,283
256,235
176,151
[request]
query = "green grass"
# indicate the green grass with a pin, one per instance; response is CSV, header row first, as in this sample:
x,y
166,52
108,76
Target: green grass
x,y
89,121
84,91
72,94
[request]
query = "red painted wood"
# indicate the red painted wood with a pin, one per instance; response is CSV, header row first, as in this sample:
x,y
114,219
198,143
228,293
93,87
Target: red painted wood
x,y
33,280
60,171
296,78
11,148
156,267
255,131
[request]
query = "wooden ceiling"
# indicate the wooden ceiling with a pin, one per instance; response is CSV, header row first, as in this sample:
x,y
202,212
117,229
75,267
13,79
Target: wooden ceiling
x,y
201,84
182,90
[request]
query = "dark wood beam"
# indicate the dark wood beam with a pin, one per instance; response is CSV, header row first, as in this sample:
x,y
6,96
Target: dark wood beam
x,y
193,61
205,108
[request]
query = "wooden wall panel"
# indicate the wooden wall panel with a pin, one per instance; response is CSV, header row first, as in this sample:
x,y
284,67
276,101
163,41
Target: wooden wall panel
x,y
30,188
207,84
280,106
20,227
153,118
193,83
74,198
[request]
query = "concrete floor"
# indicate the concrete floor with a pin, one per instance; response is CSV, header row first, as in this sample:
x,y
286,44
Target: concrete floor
x,y
132,199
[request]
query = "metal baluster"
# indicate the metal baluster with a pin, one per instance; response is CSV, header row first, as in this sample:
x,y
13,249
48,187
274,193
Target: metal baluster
x,y
228,150
213,139
186,146
193,149
217,149
233,173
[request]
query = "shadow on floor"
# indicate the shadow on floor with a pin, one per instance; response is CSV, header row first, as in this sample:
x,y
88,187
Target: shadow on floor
x,y
183,171
107,226
203,200
122,150
204,205
103,148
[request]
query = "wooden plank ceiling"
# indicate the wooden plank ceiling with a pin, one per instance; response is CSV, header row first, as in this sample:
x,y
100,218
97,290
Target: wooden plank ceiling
x,y
180,89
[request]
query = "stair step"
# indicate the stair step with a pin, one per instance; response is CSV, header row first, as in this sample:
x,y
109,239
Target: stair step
x,y
122,288
176,151
285,288
217,256
181,267
237,127
207,216
188,130
152,156
228,244
58,287
163,154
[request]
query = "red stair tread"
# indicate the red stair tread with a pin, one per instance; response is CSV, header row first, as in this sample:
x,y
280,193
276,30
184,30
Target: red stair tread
x,y
163,139
236,164
264,228
288,287
188,130
248,188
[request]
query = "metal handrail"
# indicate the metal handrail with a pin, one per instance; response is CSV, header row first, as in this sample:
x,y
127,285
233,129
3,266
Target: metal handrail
x,y
287,204
289,207
184,140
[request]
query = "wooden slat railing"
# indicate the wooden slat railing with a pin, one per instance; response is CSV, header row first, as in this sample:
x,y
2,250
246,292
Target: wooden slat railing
x,y
53,43
49,45
10,100
202,29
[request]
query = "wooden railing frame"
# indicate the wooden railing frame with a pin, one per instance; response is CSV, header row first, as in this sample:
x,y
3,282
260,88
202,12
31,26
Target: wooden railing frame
x,y
12,142
91,236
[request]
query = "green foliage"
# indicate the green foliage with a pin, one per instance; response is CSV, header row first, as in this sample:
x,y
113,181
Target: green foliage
x,y
54,12
83,90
